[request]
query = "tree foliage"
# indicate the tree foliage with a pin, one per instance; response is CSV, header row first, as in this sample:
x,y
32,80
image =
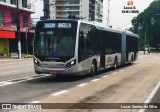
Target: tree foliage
x,y
148,21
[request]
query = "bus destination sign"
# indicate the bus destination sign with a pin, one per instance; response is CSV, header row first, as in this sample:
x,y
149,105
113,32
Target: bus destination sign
x,y
57,25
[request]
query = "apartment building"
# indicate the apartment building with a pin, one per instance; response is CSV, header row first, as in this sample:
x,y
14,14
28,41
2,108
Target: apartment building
x,y
8,19
89,10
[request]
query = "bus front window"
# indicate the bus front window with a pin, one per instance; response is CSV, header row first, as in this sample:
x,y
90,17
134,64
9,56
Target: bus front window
x,y
55,43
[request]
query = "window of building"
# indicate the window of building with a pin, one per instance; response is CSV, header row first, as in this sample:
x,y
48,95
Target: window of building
x,y
1,18
13,18
25,21
2,0
14,2
24,3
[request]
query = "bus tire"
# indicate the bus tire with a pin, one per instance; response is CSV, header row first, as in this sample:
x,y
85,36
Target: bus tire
x,y
38,72
115,63
93,69
59,76
132,59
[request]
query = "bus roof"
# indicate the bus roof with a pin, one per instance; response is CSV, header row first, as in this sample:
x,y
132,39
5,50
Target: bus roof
x,y
99,26
131,34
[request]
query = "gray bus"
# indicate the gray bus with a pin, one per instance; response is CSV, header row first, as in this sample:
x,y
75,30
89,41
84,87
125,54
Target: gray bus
x,y
75,47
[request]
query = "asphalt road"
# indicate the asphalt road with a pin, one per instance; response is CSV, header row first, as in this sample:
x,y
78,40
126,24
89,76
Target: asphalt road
x,y
128,84
15,68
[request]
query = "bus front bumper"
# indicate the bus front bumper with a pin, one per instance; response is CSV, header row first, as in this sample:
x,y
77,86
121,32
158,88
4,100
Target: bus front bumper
x,y
40,70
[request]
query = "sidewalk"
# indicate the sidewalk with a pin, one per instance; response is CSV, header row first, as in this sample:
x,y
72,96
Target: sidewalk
x,y
13,59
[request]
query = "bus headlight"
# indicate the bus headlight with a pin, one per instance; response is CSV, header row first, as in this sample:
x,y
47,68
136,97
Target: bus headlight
x,y
37,63
71,64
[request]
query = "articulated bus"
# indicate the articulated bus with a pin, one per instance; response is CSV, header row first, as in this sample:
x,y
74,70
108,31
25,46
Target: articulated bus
x,y
75,47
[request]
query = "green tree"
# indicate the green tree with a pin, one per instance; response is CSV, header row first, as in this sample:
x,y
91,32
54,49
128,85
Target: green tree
x,y
148,21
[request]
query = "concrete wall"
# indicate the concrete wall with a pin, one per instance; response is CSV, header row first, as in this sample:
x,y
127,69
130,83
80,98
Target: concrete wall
x,y
84,9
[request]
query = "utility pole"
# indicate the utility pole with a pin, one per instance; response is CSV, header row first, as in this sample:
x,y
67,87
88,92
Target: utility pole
x,y
18,31
46,5
27,38
108,12
145,39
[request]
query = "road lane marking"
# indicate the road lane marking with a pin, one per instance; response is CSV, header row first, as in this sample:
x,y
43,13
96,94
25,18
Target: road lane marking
x,y
94,80
35,102
105,76
114,72
30,78
4,83
59,93
121,70
151,96
22,79
81,85
152,93
26,78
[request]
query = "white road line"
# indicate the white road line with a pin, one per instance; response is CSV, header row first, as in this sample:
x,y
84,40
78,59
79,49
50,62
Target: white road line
x,y
94,80
18,80
30,78
152,93
150,96
114,72
4,83
121,70
35,102
81,85
27,78
21,78
59,93
105,76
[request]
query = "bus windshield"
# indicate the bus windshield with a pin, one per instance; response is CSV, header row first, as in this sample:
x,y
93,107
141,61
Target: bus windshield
x,y
55,40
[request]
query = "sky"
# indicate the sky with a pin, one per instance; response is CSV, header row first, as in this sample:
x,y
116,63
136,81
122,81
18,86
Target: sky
x,y
117,18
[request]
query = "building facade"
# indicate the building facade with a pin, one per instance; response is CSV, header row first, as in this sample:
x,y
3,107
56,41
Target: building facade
x,y
8,20
89,10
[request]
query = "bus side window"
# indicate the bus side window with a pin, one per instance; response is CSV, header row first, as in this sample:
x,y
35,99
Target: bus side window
x,y
80,47
84,42
83,45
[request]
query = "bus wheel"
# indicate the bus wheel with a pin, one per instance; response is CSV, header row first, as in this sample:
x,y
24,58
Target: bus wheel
x,y
93,69
132,59
115,63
